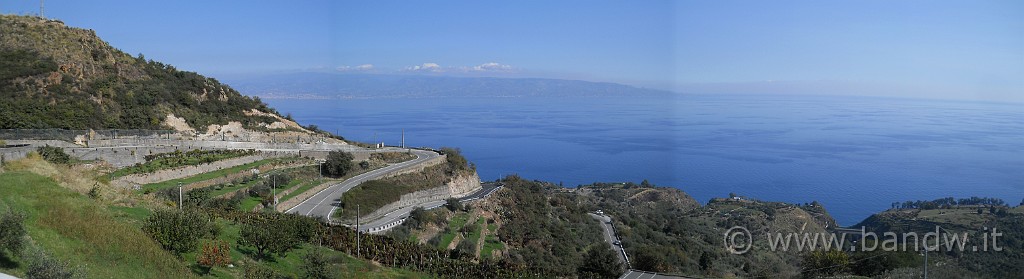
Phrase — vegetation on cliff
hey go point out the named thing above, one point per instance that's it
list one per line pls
(55, 76)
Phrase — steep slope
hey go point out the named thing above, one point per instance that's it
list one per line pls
(55, 76)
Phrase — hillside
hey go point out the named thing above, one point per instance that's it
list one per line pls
(977, 221)
(343, 85)
(55, 76)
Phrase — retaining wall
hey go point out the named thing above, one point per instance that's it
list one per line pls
(460, 186)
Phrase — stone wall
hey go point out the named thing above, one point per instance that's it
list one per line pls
(460, 186)
(182, 172)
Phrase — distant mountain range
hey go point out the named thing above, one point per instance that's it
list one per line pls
(313, 85)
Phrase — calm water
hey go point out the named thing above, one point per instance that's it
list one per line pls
(855, 155)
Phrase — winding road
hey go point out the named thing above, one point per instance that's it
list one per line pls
(324, 202)
(397, 217)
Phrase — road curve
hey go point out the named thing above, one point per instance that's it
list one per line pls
(609, 236)
(397, 216)
(323, 203)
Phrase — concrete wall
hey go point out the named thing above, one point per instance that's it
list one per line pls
(460, 186)
(126, 152)
(182, 172)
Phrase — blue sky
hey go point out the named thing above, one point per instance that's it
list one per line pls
(933, 49)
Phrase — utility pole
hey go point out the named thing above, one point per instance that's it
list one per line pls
(357, 230)
(275, 191)
(403, 138)
(41, 9)
(179, 196)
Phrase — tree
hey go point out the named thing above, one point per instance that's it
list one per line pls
(416, 217)
(12, 232)
(269, 235)
(315, 265)
(825, 263)
(646, 184)
(600, 262)
(338, 163)
(453, 204)
(648, 260)
(705, 262)
(178, 231)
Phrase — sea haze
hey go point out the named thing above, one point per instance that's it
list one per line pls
(855, 155)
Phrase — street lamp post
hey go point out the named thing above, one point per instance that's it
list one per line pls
(179, 196)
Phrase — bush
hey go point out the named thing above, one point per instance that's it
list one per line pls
(255, 271)
(338, 163)
(453, 204)
(12, 232)
(601, 262)
(316, 265)
(44, 266)
(217, 253)
(825, 263)
(54, 155)
(178, 231)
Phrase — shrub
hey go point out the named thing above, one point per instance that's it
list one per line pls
(600, 262)
(825, 263)
(44, 266)
(178, 231)
(338, 163)
(217, 253)
(453, 204)
(54, 155)
(255, 271)
(316, 265)
(12, 232)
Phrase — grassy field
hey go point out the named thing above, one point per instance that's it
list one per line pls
(180, 159)
(106, 241)
(456, 223)
(73, 227)
(206, 176)
(475, 231)
(491, 242)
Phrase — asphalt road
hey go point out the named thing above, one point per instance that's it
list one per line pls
(399, 214)
(323, 203)
(609, 235)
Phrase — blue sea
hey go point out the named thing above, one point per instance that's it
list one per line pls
(855, 155)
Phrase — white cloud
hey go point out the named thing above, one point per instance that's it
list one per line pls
(425, 67)
(492, 67)
(360, 68)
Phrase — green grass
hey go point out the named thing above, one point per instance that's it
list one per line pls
(456, 223)
(206, 176)
(180, 159)
(302, 188)
(491, 244)
(73, 227)
(250, 202)
(474, 234)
